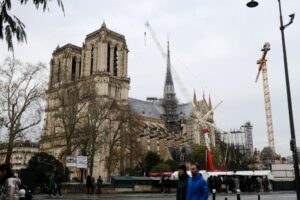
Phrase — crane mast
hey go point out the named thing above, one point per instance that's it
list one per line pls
(263, 69)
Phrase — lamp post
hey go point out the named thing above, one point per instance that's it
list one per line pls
(293, 145)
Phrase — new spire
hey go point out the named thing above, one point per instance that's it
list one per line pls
(169, 79)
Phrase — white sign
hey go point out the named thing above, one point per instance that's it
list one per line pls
(71, 161)
(82, 162)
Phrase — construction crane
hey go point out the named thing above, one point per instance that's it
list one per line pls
(263, 69)
(164, 56)
(201, 119)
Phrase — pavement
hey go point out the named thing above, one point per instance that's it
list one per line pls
(156, 196)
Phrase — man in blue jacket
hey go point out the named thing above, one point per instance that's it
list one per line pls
(197, 187)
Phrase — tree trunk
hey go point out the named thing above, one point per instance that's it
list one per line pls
(108, 169)
(10, 147)
(92, 158)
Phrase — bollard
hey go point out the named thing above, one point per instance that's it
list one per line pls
(258, 196)
(225, 198)
(238, 194)
(214, 194)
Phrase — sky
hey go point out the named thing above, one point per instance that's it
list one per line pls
(214, 48)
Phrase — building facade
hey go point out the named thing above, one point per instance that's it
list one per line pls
(22, 153)
(82, 77)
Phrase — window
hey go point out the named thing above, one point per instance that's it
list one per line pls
(52, 66)
(79, 71)
(116, 61)
(92, 61)
(58, 72)
(108, 58)
(73, 73)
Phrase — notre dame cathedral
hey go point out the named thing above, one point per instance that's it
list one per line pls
(82, 78)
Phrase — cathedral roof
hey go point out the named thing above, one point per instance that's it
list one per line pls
(185, 109)
(156, 110)
(104, 28)
(69, 45)
(146, 108)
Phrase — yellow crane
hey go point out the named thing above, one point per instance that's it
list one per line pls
(263, 69)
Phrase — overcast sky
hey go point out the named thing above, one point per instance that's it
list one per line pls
(214, 48)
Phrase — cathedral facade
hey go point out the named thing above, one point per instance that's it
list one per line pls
(91, 81)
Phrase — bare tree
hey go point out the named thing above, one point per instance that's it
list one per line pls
(121, 141)
(95, 126)
(21, 93)
(112, 138)
(69, 116)
(131, 148)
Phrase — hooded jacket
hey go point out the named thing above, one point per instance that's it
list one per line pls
(197, 188)
(10, 189)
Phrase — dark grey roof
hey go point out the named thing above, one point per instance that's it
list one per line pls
(146, 108)
(155, 110)
(185, 109)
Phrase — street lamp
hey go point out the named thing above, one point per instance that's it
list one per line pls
(293, 145)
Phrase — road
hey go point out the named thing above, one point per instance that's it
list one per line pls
(156, 196)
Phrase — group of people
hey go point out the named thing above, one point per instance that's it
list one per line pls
(165, 184)
(53, 184)
(191, 188)
(242, 183)
(11, 187)
(90, 181)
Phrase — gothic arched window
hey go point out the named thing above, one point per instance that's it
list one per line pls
(79, 69)
(108, 58)
(92, 61)
(73, 72)
(116, 62)
(58, 72)
(52, 68)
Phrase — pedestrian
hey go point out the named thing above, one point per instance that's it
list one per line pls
(162, 183)
(10, 184)
(168, 184)
(89, 184)
(197, 188)
(266, 184)
(93, 183)
(58, 181)
(236, 183)
(182, 183)
(99, 185)
(51, 185)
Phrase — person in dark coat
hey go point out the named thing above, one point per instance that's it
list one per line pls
(89, 184)
(182, 183)
(58, 181)
(99, 185)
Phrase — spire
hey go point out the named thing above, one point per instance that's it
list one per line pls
(209, 103)
(203, 95)
(169, 80)
(195, 98)
(103, 26)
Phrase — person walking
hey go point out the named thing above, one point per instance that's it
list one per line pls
(89, 184)
(197, 188)
(58, 181)
(99, 185)
(162, 183)
(51, 185)
(182, 183)
(236, 183)
(9, 183)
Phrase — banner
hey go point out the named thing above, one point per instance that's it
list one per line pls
(82, 162)
(71, 161)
